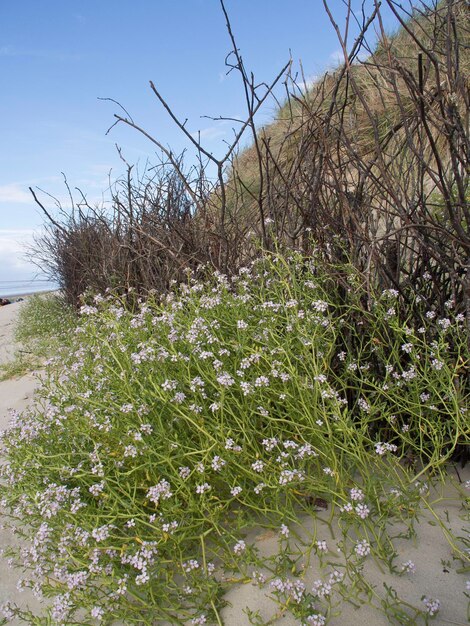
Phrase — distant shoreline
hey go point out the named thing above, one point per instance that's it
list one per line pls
(14, 296)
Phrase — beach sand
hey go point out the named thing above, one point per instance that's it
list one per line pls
(436, 574)
(15, 395)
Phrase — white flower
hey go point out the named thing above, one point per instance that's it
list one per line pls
(285, 530)
(200, 489)
(225, 380)
(239, 547)
(262, 381)
(217, 463)
(189, 566)
(235, 491)
(382, 448)
(96, 489)
(357, 494)
(169, 385)
(432, 605)
(97, 613)
(362, 548)
(322, 546)
(161, 490)
(321, 589)
(288, 476)
(362, 511)
(269, 444)
(184, 472)
(408, 566)
(316, 620)
(258, 578)
(363, 405)
(258, 466)
(230, 445)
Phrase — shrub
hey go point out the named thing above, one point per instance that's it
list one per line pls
(170, 431)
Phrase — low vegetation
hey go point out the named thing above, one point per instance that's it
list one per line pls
(41, 328)
(173, 429)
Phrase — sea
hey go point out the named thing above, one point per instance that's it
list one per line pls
(17, 288)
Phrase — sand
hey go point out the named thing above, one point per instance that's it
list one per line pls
(437, 573)
(15, 394)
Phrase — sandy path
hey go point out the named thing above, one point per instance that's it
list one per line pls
(15, 394)
(8, 315)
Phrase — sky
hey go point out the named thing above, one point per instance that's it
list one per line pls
(57, 59)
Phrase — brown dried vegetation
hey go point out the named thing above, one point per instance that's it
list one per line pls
(370, 165)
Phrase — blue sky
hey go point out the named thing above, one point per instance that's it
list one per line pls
(57, 58)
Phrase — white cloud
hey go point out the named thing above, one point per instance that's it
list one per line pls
(13, 248)
(337, 57)
(209, 134)
(15, 194)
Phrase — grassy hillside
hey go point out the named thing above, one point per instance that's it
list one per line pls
(374, 155)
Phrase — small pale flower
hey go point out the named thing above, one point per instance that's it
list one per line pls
(321, 546)
(217, 463)
(184, 472)
(258, 578)
(258, 466)
(315, 619)
(362, 548)
(408, 567)
(357, 494)
(362, 511)
(285, 532)
(432, 605)
(239, 547)
(97, 613)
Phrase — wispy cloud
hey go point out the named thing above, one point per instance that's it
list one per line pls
(337, 57)
(210, 133)
(49, 55)
(13, 247)
(15, 194)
